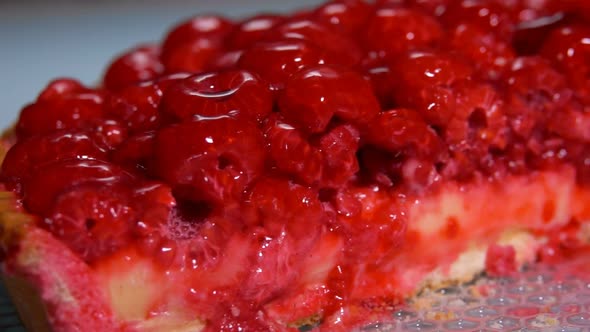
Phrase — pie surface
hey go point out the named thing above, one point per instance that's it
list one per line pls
(310, 170)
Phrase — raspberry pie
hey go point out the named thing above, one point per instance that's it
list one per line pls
(295, 171)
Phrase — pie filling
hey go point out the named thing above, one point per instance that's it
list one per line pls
(302, 171)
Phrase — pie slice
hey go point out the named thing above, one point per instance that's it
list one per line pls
(304, 171)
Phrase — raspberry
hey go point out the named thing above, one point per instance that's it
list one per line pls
(530, 75)
(534, 91)
(432, 7)
(70, 111)
(488, 15)
(290, 152)
(346, 16)
(36, 151)
(205, 26)
(424, 83)
(221, 157)
(60, 87)
(193, 56)
(313, 96)
(191, 45)
(339, 147)
(569, 49)
(135, 153)
(279, 205)
(430, 68)
(235, 93)
(287, 219)
(94, 220)
(110, 133)
(137, 106)
(226, 60)
(346, 204)
(490, 54)
(399, 129)
(406, 30)
(252, 30)
(338, 47)
(479, 115)
(276, 61)
(139, 64)
(46, 183)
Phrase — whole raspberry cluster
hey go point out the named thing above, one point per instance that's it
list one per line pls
(390, 94)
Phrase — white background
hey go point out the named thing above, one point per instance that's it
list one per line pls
(41, 40)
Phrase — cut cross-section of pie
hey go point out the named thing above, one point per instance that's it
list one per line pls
(312, 170)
